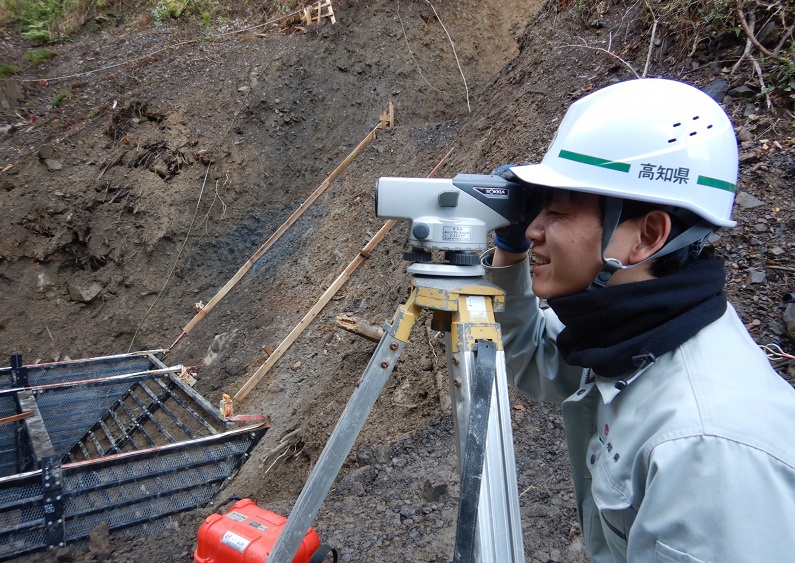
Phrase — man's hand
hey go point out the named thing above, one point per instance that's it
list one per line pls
(504, 171)
(511, 238)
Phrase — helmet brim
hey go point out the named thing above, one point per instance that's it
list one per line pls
(543, 175)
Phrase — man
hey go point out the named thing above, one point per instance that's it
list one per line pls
(681, 436)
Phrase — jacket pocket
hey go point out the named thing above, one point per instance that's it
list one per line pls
(618, 522)
(610, 492)
(594, 534)
(614, 509)
(665, 554)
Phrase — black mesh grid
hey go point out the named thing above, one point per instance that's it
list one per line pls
(134, 452)
(145, 489)
(8, 438)
(78, 370)
(126, 491)
(68, 412)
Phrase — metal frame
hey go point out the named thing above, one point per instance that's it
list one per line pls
(107, 441)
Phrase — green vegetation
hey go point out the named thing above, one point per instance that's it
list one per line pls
(38, 56)
(752, 38)
(47, 21)
(37, 19)
(61, 98)
(784, 75)
(8, 70)
(288, 6)
(169, 9)
(174, 9)
(44, 22)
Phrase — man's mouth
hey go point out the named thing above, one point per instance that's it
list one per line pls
(540, 260)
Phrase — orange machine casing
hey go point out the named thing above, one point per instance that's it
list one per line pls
(246, 534)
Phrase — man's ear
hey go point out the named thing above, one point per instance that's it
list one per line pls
(653, 231)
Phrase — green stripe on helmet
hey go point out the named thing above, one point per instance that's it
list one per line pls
(715, 183)
(594, 161)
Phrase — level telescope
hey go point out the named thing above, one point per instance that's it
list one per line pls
(452, 215)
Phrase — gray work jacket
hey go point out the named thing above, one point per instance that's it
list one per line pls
(693, 460)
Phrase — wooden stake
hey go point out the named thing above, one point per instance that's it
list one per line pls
(388, 117)
(361, 328)
(307, 15)
(280, 231)
(324, 299)
(330, 13)
(313, 312)
(15, 417)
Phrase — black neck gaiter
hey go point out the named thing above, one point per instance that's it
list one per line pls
(611, 329)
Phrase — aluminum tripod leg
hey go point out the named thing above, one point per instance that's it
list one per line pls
(465, 307)
(499, 529)
(342, 438)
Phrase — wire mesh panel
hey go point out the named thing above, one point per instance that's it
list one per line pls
(151, 484)
(68, 412)
(21, 514)
(117, 439)
(128, 491)
(70, 396)
(153, 412)
(77, 370)
(8, 438)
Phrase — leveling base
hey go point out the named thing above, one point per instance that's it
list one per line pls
(444, 270)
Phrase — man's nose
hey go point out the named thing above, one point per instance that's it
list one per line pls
(535, 230)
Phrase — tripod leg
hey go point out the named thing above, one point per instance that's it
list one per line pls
(475, 452)
(342, 438)
(498, 526)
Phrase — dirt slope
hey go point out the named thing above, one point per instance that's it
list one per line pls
(161, 174)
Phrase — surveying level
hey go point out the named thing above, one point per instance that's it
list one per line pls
(454, 216)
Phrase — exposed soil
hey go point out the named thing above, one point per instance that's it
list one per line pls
(180, 149)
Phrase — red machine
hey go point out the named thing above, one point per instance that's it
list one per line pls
(247, 534)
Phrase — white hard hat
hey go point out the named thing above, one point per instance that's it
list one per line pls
(652, 140)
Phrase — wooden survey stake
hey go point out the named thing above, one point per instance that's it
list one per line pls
(315, 12)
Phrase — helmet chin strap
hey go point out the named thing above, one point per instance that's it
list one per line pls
(695, 234)
(610, 266)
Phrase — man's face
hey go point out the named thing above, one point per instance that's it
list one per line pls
(567, 242)
(567, 238)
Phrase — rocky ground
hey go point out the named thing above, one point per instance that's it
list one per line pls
(178, 149)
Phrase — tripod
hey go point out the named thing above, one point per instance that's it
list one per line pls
(489, 524)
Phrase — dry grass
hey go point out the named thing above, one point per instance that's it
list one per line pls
(751, 39)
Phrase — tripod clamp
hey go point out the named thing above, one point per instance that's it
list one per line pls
(489, 523)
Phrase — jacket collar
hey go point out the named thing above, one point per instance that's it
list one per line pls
(618, 330)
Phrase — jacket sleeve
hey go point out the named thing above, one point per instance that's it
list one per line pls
(529, 335)
(710, 498)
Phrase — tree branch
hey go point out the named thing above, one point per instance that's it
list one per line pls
(749, 32)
